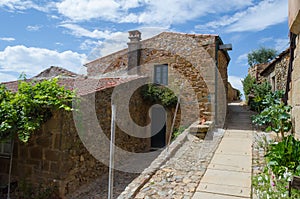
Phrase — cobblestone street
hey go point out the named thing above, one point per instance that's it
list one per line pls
(180, 176)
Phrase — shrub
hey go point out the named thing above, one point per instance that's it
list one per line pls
(159, 94)
(23, 112)
(248, 84)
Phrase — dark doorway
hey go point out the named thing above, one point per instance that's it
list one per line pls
(158, 127)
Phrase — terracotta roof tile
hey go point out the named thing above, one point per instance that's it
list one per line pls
(83, 86)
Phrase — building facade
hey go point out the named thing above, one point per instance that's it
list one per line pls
(293, 83)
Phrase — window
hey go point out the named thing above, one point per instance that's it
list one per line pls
(273, 83)
(5, 148)
(161, 74)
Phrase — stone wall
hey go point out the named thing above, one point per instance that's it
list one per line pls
(276, 72)
(189, 57)
(56, 156)
(255, 71)
(295, 89)
(233, 94)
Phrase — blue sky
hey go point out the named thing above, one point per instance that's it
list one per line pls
(36, 34)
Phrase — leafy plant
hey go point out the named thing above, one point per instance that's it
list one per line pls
(178, 131)
(266, 185)
(259, 91)
(23, 112)
(276, 118)
(159, 94)
(284, 156)
(261, 55)
(248, 84)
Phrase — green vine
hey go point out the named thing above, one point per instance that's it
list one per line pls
(23, 112)
(159, 94)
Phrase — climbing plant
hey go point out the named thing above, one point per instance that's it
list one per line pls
(159, 94)
(23, 112)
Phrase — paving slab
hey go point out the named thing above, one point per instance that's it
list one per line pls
(235, 146)
(228, 162)
(238, 191)
(229, 173)
(233, 178)
(203, 195)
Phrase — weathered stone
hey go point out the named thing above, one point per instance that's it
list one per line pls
(36, 152)
(52, 155)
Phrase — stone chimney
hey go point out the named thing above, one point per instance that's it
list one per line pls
(134, 52)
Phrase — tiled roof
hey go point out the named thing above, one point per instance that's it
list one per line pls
(83, 86)
(55, 71)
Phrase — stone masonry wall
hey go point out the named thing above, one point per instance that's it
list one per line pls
(232, 93)
(56, 156)
(278, 69)
(193, 58)
(295, 90)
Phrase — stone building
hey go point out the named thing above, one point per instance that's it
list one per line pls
(293, 84)
(173, 59)
(233, 94)
(68, 151)
(276, 71)
(60, 153)
(255, 71)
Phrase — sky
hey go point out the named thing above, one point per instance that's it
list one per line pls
(37, 34)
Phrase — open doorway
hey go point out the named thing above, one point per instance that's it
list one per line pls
(158, 127)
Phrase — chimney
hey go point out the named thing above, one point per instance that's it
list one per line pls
(134, 52)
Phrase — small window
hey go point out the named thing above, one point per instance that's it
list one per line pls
(161, 74)
(5, 148)
(273, 83)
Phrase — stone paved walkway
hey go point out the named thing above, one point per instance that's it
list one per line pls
(214, 168)
(180, 176)
(230, 170)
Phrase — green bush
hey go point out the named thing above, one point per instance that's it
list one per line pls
(275, 115)
(248, 84)
(259, 91)
(159, 94)
(23, 112)
(282, 160)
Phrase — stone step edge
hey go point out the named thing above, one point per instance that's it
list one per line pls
(137, 184)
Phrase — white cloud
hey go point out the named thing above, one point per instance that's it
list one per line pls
(236, 82)
(281, 44)
(255, 18)
(79, 31)
(34, 28)
(32, 60)
(265, 40)
(242, 59)
(7, 39)
(119, 41)
(4, 77)
(89, 44)
(88, 9)
(25, 4)
(155, 12)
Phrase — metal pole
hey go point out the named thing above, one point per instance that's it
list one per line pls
(10, 167)
(216, 82)
(174, 118)
(112, 152)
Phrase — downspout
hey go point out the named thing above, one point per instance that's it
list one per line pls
(290, 69)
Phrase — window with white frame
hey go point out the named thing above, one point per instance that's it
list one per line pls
(161, 74)
(5, 148)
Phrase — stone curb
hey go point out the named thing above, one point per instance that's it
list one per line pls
(135, 186)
